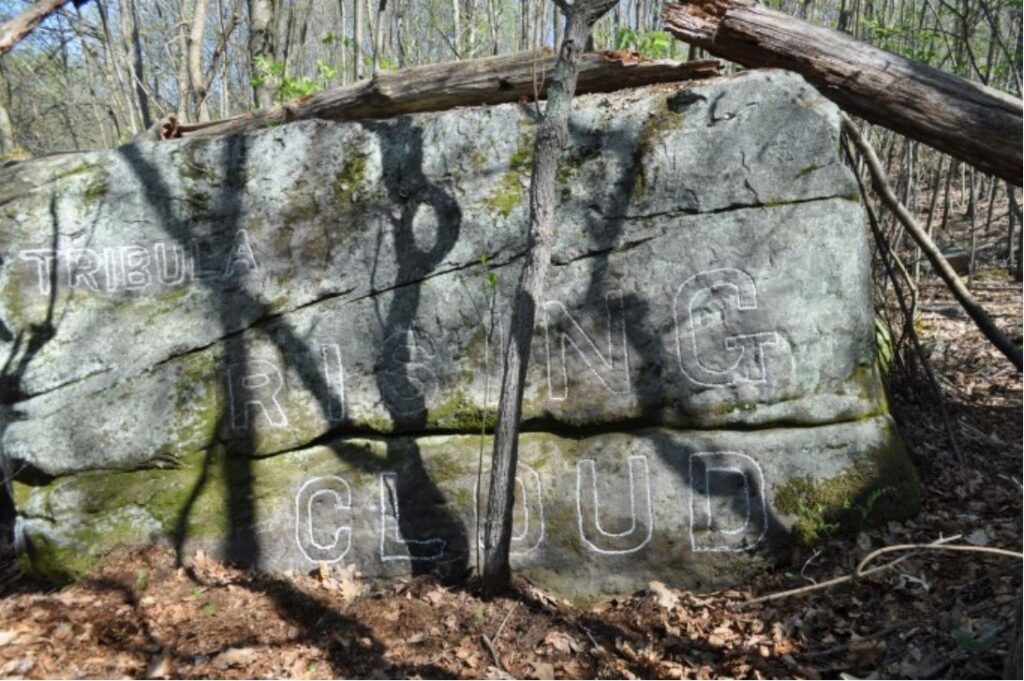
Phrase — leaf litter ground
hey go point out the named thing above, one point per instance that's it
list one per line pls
(140, 615)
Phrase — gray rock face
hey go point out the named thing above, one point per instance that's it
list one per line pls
(282, 346)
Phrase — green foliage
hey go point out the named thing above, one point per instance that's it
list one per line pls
(651, 44)
(815, 518)
(141, 579)
(490, 278)
(867, 508)
(284, 87)
(972, 642)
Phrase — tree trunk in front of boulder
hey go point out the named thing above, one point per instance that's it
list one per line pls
(552, 135)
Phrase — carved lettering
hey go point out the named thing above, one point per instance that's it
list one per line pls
(255, 386)
(393, 546)
(728, 511)
(323, 502)
(562, 331)
(594, 535)
(700, 304)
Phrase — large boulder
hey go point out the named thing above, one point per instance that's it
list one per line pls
(284, 346)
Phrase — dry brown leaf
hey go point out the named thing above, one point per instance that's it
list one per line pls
(666, 598)
(235, 657)
(159, 668)
(542, 670)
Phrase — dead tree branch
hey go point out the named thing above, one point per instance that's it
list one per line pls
(974, 123)
(939, 263)
(15, 30)
(494, 80)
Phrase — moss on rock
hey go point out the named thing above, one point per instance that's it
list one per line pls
(511, 186)
(349, 181)
(882, 486)
(459, 413)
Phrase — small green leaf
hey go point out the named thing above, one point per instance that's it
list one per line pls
(969, 641)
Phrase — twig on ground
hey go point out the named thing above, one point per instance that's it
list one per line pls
(493, 652)
(501, 626)
(863, 571)
(843, 579)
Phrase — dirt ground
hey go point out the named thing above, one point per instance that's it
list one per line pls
(935, 615)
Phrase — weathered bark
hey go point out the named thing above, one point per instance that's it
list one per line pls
(552, 134)
(7, 143)
(6, 131)
(133, 47)
(197, 82)
(931, 251)
(974, 123)
(261, 43)
(13, 31)
(357, 40)
(378, 30)
(436, 87)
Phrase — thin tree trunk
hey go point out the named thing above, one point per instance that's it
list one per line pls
(377, 30)
(470, 22)
(931, 216)
(947, 199)
(1015, 214)
(457, 28)
(133, 46)
(261, 45)
(492, 22)
(357, 40)
(113, 63)
(6, 131)
(106, 136)
(552, 134)
(219, 57)
(974, 233)
(195, 60)
(399, 10)
(342, 61)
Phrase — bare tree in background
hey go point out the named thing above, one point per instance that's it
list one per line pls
(261, 43)
(552, 135)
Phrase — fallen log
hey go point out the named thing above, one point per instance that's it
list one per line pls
(494, 80)
(974, 123)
